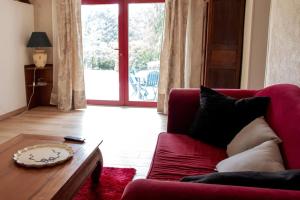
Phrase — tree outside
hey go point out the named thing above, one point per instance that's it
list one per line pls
(100, 35)
(146, 23)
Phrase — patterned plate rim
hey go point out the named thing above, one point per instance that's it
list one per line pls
(58, 145)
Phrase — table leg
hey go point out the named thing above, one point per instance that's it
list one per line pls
(98, 169)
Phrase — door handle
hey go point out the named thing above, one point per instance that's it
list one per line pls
(117, 49)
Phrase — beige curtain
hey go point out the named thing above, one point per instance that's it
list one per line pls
(68, 90)
(182, 56)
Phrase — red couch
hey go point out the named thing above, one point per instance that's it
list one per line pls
(177, 155)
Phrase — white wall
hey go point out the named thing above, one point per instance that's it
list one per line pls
(255, 43)
(283, 62)
(17, 23)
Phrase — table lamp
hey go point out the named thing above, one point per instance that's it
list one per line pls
(39, 40)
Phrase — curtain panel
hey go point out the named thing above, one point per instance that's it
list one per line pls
(68, 89)
(182, 56)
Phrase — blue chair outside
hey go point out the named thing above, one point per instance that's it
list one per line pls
(152, 79)
(152, 82)
(138, 89)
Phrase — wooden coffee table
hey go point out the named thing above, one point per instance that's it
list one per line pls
(58, 182)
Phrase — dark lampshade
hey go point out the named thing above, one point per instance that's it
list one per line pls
(39, 39)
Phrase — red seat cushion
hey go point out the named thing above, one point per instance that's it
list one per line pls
(179, 155)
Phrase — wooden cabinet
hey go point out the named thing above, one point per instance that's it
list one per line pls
(38, 92)
(225, 30)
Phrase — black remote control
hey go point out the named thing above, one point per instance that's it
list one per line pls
(75, 139)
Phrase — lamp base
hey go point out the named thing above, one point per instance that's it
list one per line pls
(40, 58)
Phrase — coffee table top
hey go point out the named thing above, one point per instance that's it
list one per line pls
(18, 182)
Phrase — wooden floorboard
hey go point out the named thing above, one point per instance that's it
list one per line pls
(129, 134)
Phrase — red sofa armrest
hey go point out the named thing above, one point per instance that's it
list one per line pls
(146, 189)
(184, 103)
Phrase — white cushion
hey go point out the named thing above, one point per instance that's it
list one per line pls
(255, 133)
(264, 157)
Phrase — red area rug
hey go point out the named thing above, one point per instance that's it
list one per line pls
(111, 186)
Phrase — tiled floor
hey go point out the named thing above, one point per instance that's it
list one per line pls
(129, 134)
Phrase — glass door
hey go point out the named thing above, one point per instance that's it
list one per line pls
(100, 30)
(145, 31)
(121, 48)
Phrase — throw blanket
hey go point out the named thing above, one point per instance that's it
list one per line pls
(289, 179)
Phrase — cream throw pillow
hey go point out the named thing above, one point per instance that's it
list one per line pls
(255, 133)
(264, 157)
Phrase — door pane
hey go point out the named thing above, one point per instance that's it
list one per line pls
(100, 51)
(145, 37)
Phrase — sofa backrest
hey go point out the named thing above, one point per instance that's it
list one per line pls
(284, 117)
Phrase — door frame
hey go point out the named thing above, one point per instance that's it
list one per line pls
(123, 53)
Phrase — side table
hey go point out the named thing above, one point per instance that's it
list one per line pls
(38, 92)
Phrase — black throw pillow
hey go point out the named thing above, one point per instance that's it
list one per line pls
(219, 117)
(288, 179)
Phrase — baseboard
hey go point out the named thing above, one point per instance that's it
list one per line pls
(13, 113)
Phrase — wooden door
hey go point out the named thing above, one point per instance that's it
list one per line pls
(224, 45)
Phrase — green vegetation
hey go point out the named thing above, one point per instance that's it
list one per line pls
(100, 35)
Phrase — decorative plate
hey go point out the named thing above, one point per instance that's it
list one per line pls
(43, 155)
